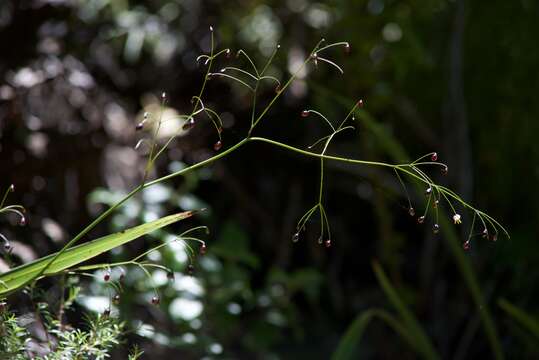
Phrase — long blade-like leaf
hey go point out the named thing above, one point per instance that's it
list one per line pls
(521, 317)
(421, 339)
(15, 278)
(346, 350)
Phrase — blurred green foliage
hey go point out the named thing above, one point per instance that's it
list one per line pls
(76, 75)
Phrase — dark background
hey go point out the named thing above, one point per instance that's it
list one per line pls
(457, 77)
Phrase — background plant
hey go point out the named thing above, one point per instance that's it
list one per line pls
(389, 69)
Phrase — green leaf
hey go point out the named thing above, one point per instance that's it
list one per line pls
(421, 340)
(350, 340)
(521, 317)
(15, 278)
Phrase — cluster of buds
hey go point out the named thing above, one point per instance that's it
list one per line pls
(18, 210)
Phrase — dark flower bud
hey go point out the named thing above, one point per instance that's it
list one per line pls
(411, 211)
(347, 48)
(22, 221)
(12, 188)
(155, 300)
(444, 170)
(434, 157)
(189, 124)
(328, 243)
(295, 237)
(466, 246)
(203, 249)
(421, 219)
(228, 53)
(436, 228)
(106, 277)
(305, 113)
(218, 145)
(360, 103)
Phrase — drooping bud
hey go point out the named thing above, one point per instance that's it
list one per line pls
(106, 277)
(189, 124)
(434, 157)
(320, 240)
(305, 113)
(278, 89)
(360, 103)
(228, 53)
(328, 243)
(347, 48)
(466, 246)
(435, 203)
(211, 28)
(428, 191)
(139, 126)
(155, 300)
(163, 96)
(411, 211)
(203, 249)
(295, 237)
(444, 170)
(421, 219)
(7, 246)
(485, 233)
(435, 228)
(22, 221)
(12, 188)
(218, 145)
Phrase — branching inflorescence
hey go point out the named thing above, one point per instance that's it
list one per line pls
(253, 78)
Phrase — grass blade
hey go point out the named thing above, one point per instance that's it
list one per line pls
(421, 340)
(521, 317)
(15, 278)
(350, 340)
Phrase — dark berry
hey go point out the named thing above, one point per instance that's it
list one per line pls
(434, 157)
(218, 145)
(22, 221)
(106, 277)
